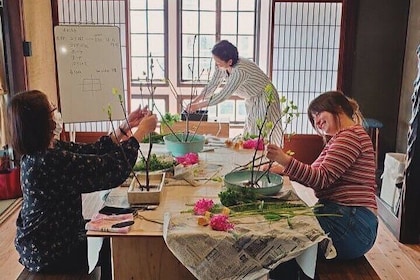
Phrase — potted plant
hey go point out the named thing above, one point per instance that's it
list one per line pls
(264, 183)
(185, 142)
(145, 188)
(137, 194)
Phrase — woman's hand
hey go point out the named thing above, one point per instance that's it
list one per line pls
(135, 117)
(274, 168)
(147, 125)
(198, 98)
(191, 108)
(275, 153)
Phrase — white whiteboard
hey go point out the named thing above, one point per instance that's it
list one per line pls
(89, 67)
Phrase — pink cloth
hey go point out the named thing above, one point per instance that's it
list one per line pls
(101, 222)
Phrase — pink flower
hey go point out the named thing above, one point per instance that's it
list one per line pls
(253, 144)
(187, 159)
(203, 205)
(220, 222)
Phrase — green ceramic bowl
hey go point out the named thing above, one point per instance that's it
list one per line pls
(270, 183)
(192, 144)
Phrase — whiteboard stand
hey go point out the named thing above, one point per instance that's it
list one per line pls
(89, 67)
(72, 133)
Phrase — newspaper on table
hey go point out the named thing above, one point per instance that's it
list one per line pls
(251, 250)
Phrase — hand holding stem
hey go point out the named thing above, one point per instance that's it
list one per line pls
(135, 117)
(273, 167)
(275, 153)
(146, 125)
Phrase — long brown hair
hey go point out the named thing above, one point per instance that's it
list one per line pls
(334, 102)
(31, 123)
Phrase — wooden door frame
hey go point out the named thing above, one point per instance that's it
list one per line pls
(13, 38)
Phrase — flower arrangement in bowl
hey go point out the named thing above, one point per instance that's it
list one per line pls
(180, 144)
(267, 183)
(186, 142)
(145, 188)
(249, 175)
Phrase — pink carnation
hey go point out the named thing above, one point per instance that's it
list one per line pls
(254, 144)
(203, 205)
(220, 222)
(187, 159)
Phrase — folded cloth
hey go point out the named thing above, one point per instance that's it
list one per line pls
(101, 222)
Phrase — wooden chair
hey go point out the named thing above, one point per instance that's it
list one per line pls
(84, 137)
(355, 269)
(306, 147)
(373, 126)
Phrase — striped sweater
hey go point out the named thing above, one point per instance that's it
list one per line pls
(248, 81)
(344, 172)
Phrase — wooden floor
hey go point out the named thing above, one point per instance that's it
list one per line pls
(390, 259)
(393, 260)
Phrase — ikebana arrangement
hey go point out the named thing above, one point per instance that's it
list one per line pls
(248, 181)
(145, 188)
(185, 142)
(179, 144)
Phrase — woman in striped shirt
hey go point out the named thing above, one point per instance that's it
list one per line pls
(343, 176)
(248, 81)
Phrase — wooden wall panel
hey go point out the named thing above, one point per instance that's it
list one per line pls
(38, 29)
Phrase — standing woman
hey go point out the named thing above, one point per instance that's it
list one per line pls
(248, 81)
(343, 176)
(51, 234)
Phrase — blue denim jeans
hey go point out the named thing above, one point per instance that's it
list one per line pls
(354, 233)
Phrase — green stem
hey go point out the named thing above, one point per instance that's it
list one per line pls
(125, 157)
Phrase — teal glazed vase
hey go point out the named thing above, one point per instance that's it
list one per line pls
(269, 184)
(180, 144)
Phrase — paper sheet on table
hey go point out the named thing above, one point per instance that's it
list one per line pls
(94, 245)
(306, 194)
(306, 260)
(255, 246)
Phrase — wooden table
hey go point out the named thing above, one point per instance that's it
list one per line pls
(142, 253)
